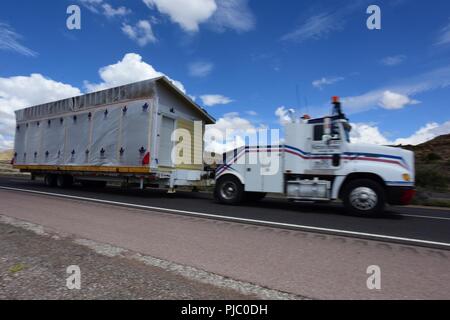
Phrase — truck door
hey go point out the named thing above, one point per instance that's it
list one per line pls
(326, 150)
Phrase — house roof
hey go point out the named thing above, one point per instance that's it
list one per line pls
(209, 119)
(124, 93)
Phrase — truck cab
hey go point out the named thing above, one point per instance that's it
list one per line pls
(318, 162)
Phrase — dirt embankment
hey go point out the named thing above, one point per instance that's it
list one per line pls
(35, 266)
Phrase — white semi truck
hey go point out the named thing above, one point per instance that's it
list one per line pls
(318, 162)
(126, 134)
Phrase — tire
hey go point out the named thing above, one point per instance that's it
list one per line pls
(255, 196)
(50, 180)
(229, 190)
(364, 197)
(64, 181)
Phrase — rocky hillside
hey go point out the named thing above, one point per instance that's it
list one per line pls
(432, 166)
(437, 149)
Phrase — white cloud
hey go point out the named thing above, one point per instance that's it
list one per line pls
(319, 25)
(130, 69)
(393, 101)
(9, 40)
(385, 99)
(200, 69)
(188, 14)
(325, 81)
(233, 129)
(214, 99)
(393, 60)
(233, 14)
(92, 5)
(369, 133)
(251, 113)
(219, 14)
(408, 88)
(103, 7)
(444, 36)
(6, 143)
(142, 32)
(316, 27)
(24, 91)
(232, 121)
(111, 12)
(426, 133)
(284, 115)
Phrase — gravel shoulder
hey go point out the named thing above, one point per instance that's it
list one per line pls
(33, 266)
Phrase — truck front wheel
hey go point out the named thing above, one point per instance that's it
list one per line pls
(229, 190)
(364, 197)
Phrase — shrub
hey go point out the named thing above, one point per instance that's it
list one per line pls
(431, 178)
(433, 157)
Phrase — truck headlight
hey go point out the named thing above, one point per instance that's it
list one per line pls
(406, 177)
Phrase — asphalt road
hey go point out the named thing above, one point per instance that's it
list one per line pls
(417, 226)
(289, 262)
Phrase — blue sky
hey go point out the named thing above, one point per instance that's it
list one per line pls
(247, 62)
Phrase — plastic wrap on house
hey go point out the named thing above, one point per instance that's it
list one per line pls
(135, 91)
(53, 141)
(135, 130)
(33, 143)
(77, 139)
(21, 131)
(105, 136)
(115, 135)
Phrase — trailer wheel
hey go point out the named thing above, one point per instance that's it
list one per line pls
(64, 181)
(229, 190)
(50, 180)
(364, 197)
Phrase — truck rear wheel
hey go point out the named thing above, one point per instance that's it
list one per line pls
(364, 197)
(229, 190)
(64, 181)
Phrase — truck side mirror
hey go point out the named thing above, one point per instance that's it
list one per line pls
(326, 138)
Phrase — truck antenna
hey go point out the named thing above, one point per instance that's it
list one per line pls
(306, 105)
(297, 93)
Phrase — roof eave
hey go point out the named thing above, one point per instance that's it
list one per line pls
(207, 116)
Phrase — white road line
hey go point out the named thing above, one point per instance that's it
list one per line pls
(422, 217)
(242, 220)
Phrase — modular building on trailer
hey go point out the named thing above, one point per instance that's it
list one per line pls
(123, 132)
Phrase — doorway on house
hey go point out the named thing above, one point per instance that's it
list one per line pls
(166, 144)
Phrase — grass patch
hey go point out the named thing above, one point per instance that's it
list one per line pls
(17, 268)
(433, 203)
(432, 178)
